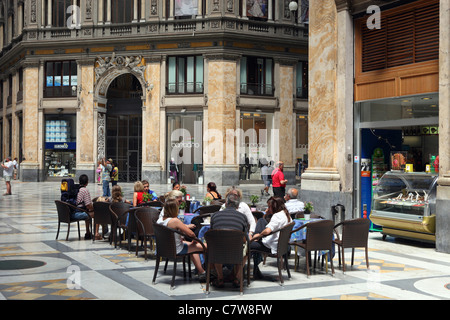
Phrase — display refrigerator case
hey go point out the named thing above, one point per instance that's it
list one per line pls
(404, 205)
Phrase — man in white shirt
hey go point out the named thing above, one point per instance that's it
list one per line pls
(292, 203)
(8, 170)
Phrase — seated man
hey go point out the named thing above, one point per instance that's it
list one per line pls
(152, 193)
(292, 203)
(229, 218)
(84, 201)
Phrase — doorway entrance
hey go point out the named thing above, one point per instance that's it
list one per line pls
(124, 127)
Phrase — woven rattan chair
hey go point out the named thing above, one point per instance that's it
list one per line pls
(155, 203)
(226, 247)
(145, 217)
(282, 249)
(319, 236)
(208, 209)
(355, 234)
(166, 248)
(64, 210)
(119, 211)
(102, 215)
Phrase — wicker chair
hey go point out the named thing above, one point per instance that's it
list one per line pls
(155, 203)
(355, 234)
(319, 236)
(226, 247)
(119, 211)
(145, 217)
(102, 215)
(208, 209)
(166, 248)
(64, 210)
(282, 249)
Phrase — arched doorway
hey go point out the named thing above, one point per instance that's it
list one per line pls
(124, 126)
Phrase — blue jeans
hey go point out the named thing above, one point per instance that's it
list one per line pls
(106, 191)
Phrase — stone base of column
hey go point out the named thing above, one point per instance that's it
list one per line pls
(30, 172)
(154, 174)
(322, 189)
(87, 169)
(221, 175)
(443, 216)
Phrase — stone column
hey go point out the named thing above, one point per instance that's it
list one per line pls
(286, 119)
(31, 125)
(220, 121)
(152, 167)
(86, 121)
(443, 189)
(322, 181)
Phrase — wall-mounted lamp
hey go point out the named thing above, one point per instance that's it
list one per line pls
(74, 88)
(149, 87)
(293, 6)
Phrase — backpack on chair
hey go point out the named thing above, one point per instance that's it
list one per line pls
(69, 191)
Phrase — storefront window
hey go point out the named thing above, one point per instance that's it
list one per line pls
(60, 145)
(410, 107)
(255, 147)
(185, 148)
(61, 79)
(301, 143)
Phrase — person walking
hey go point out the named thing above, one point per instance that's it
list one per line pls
(8, 171)
(278, 180)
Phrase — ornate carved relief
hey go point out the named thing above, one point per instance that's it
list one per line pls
(89, 9)
(101, 136)
(110, 67)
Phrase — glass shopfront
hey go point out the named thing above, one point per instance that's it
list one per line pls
(60, 146)
(394, 134)
(255, 147)
(185, 148)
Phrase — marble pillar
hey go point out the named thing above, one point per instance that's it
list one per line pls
(86, 122)
(220, 122)
(443, 189)
(285, 120)
(30, 167)
(330, 130)
(152, 162)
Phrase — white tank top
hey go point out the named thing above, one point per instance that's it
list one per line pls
(178, 238)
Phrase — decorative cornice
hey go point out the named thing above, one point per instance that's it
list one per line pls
(344, 5)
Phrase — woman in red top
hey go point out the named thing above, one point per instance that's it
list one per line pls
(278, 180)
(138, 193)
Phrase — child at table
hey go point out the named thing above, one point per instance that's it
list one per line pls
(170, 220)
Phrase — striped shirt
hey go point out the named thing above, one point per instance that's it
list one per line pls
(83, 198)
(229, 218)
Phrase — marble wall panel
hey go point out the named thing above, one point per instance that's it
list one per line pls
(286, 115)
(322, 85)
(86, 128)
(221, 110)
(151, 117)
(31, 114)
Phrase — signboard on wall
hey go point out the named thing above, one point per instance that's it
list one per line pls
(61, 146)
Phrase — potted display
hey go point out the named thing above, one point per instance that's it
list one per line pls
(207, 201)
(253, 199)
(308, 209)
(182, 207)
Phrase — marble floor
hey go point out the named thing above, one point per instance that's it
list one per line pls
(35, 266)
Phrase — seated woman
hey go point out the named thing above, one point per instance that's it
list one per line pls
(170, 220)
(117, 195)
(276, 217)
(212, 192)
(138, 196)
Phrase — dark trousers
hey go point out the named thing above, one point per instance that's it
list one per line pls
(279, 191)
(258, 245)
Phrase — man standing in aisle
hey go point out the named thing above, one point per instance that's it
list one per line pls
(278, 180)
(8, 170)
(106, 177)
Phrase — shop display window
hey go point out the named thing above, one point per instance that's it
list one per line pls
(60, 145)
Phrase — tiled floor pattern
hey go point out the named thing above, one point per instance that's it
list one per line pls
(399, 269)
